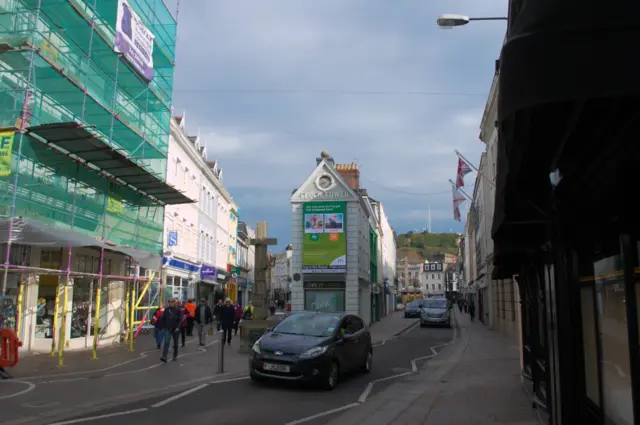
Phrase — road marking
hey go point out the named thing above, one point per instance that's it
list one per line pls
(414, 366)
(365, 394)
(30, 387)
(41, 404)
(319, 415)
(179, 396)
(222, 381)
(95, 418)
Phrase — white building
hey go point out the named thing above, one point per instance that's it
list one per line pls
(195, 264)
(334, 235)
(181, 222)
(387, 241)
(282, 275)
(432, 279)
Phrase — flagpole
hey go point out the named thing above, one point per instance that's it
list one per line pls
(462, 191)
(474, 167)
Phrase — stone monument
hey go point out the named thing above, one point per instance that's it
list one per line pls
(251, 330)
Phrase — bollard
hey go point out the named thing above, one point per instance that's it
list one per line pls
(221, 356)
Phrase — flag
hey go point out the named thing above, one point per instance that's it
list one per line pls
(458, 199)
(463, 170)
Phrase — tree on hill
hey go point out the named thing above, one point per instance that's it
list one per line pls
(428, 244)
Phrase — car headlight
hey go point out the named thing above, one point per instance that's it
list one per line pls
(256, 346)
(314, 352)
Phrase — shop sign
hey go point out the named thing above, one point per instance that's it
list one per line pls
(208, 272)
(310, 196)
(324, 285)
(6, 144)
(182, 265)
(172, 239)
(241, 282)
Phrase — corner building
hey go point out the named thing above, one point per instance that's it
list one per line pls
(333, 224)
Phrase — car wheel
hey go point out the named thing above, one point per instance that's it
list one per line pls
(333, 377)
(256, 378)
(368, 362)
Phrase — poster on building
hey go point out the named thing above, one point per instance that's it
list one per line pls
(6, 145)
(134, 40)
(324, 245)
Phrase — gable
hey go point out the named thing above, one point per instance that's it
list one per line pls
(314, 188)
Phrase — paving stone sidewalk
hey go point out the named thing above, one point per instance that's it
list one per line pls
(474, 381)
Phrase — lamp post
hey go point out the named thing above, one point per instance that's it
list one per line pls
(449, 20)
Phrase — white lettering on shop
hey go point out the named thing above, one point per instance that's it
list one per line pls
(325, 195)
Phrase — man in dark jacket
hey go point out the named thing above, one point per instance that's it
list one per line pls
(216, 312)
(203, 318)
(227, 317)
(170, 323)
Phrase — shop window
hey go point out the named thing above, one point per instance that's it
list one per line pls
(324, 300)
(589, 344)
(604, 274)
(80, 307)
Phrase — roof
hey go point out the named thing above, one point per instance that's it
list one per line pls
(179, 119)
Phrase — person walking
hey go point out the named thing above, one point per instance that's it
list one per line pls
(191, 308)
(216, 313)
(237, 318)
(184, 323)
(170, 323)
(203, 318)
(472, 311)
(227, 317)
(157, 330)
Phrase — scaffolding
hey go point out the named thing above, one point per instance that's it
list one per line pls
(87, 136)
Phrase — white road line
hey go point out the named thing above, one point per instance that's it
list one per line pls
(414, 366)
(95, 418)
(319, 415)
(365, 394)
(30, 387)
(179, 396)
(222, 381)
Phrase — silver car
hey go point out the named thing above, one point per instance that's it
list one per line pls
(435, 311)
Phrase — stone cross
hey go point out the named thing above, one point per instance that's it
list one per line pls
(261, 242)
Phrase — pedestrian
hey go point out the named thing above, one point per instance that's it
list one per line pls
(237, 318)
(227, 317)
(157, 330)
(183, 324)
(472, 311)
(216, 312)
(203, 318)
(170, 323)
(247, 314)
(191, 308)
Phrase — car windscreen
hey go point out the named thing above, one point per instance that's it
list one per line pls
(415, 304)
(438, 303)
(318, 325)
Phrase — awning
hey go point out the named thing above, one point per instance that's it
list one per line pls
(31, 232)
(558, 54)
(79, 142)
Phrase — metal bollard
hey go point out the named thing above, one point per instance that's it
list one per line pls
(221, 355)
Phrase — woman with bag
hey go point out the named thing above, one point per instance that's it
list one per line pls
(157, 331)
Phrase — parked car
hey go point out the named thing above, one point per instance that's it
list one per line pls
(435, 311)
(399, 307)
(413, 309)
(314, 347)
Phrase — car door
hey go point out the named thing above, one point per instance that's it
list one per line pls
(343, 347)
(355, 342)
(363, 339)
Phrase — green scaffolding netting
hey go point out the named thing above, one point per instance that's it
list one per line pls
(57, 64)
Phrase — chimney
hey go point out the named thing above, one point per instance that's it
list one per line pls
(351, 174)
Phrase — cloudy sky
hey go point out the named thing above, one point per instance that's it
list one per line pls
(271, 83)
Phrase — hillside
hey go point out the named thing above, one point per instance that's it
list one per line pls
(421, 246)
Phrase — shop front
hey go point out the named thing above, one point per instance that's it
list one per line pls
(208, 284)
(376, 303)
(324, 296)
(241, 288)
(181, 278)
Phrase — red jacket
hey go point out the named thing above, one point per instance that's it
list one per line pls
(238, 312)
(185, 314)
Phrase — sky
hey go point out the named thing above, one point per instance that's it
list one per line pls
(269, 84)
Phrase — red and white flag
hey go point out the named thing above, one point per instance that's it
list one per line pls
(458, 199)
(463, 170)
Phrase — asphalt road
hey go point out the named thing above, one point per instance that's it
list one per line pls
(241, 401)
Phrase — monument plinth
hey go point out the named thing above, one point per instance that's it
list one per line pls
(252, 330)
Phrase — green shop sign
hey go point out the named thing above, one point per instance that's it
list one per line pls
(324, 244)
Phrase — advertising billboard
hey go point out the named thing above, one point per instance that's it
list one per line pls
(134, 40)
(324, 244)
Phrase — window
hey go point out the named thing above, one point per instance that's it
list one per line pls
(589, 344)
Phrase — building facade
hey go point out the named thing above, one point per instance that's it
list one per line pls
(82, 167)
(333, 236)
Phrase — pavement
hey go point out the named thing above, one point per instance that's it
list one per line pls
(43, 393)
(475, 380)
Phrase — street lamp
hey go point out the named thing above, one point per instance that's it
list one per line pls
(450, 20)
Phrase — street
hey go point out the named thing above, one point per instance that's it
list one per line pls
(239, 401)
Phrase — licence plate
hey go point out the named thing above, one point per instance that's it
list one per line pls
(276, 367)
